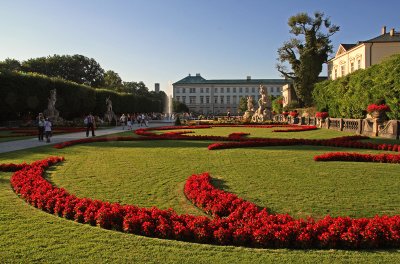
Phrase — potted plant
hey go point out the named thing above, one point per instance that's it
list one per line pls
(377, 110)
(321, 115)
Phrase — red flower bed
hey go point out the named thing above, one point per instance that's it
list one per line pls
(293, 114)
(344, 156)
(380, 108)
(235, 222)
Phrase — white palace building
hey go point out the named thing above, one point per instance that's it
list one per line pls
(220, 96)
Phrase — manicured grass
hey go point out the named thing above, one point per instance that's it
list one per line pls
(152, 173)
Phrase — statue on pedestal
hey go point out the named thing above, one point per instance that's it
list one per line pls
(51, 112)
(263, 112)
(250, 110)
(109, 115)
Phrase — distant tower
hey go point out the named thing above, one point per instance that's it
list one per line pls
(157, 87)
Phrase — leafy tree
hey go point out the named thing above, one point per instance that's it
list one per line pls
(179, 107)
(10, 65)
(76, 68)
(112, 81)
(277, 104)
(307, 54)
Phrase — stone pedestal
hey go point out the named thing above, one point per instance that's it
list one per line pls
(248, 115)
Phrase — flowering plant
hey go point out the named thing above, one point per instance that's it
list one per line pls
(322, 115)
(285, 113)
(293, 114)
(380, 108)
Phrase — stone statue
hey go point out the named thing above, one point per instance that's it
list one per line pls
(109, 115)
(109, 104)
(263, 112)
(250, 106)
(51, 112)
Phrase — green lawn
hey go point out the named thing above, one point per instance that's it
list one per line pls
(152, 173)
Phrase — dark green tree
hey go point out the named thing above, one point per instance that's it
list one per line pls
(306, 53)
(179, 107)
(10, 65)
(76, 68)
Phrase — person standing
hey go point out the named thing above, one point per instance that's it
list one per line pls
(47, 129)
(90, 123)
(40, 122)
(123, 121)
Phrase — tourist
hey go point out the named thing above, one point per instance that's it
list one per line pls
(129, 118)
(47, 129)
(90, 124)
(228, 115)
(40, 123)
(122, 120)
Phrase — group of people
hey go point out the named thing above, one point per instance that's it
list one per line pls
(44, 128)
(129, 120)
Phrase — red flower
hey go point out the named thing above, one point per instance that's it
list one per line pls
(380, 108)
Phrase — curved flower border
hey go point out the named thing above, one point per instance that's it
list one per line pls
(235, 221)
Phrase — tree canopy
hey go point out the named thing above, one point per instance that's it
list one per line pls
(306, 52)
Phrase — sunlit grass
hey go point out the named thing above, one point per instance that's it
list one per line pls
(152, 173)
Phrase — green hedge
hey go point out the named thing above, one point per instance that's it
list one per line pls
(24, 94)
(349, 96)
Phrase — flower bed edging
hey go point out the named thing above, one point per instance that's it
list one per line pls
(235, 222)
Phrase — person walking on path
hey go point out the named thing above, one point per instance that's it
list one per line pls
(47, 129)
(40, 123)
(90, 124)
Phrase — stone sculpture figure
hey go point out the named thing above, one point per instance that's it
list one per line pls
(250, 106)
(51, 112)
(263, 112)
(109, 115)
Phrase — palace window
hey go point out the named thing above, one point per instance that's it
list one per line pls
(178, 98)
(222, 89)
(215, 90)
(253, 90)
(177, 90)
(207, 90)
(228, 99)
(216, 99)
(201, 99)
(240, 90)
(234, 99)
(335, 73)
(207, 99)
(247, 90)
(183, 90)
(192, 99)
(359, 64)
(221, 98)
(183, 99)
(228, 90)
(352, 66)
(342, 70)
(192, 90)
(201, 90)
(234, 89)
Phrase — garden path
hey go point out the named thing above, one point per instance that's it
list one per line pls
(10, 146)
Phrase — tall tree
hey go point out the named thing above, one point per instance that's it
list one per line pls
(10, 65)
(306, 53)
(112, 81)
(76, 68)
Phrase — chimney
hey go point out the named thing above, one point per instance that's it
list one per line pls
(392, 32)
(383, 30)
(248, 78)
(197, 74)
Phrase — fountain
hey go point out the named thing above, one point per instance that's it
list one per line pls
(168, 104)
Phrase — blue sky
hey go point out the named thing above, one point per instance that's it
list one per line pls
(165, 40)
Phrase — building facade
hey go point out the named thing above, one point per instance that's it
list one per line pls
(220, 96)
(351, 57)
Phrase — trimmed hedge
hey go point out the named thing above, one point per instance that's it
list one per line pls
(349, 96)
(25, 94)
